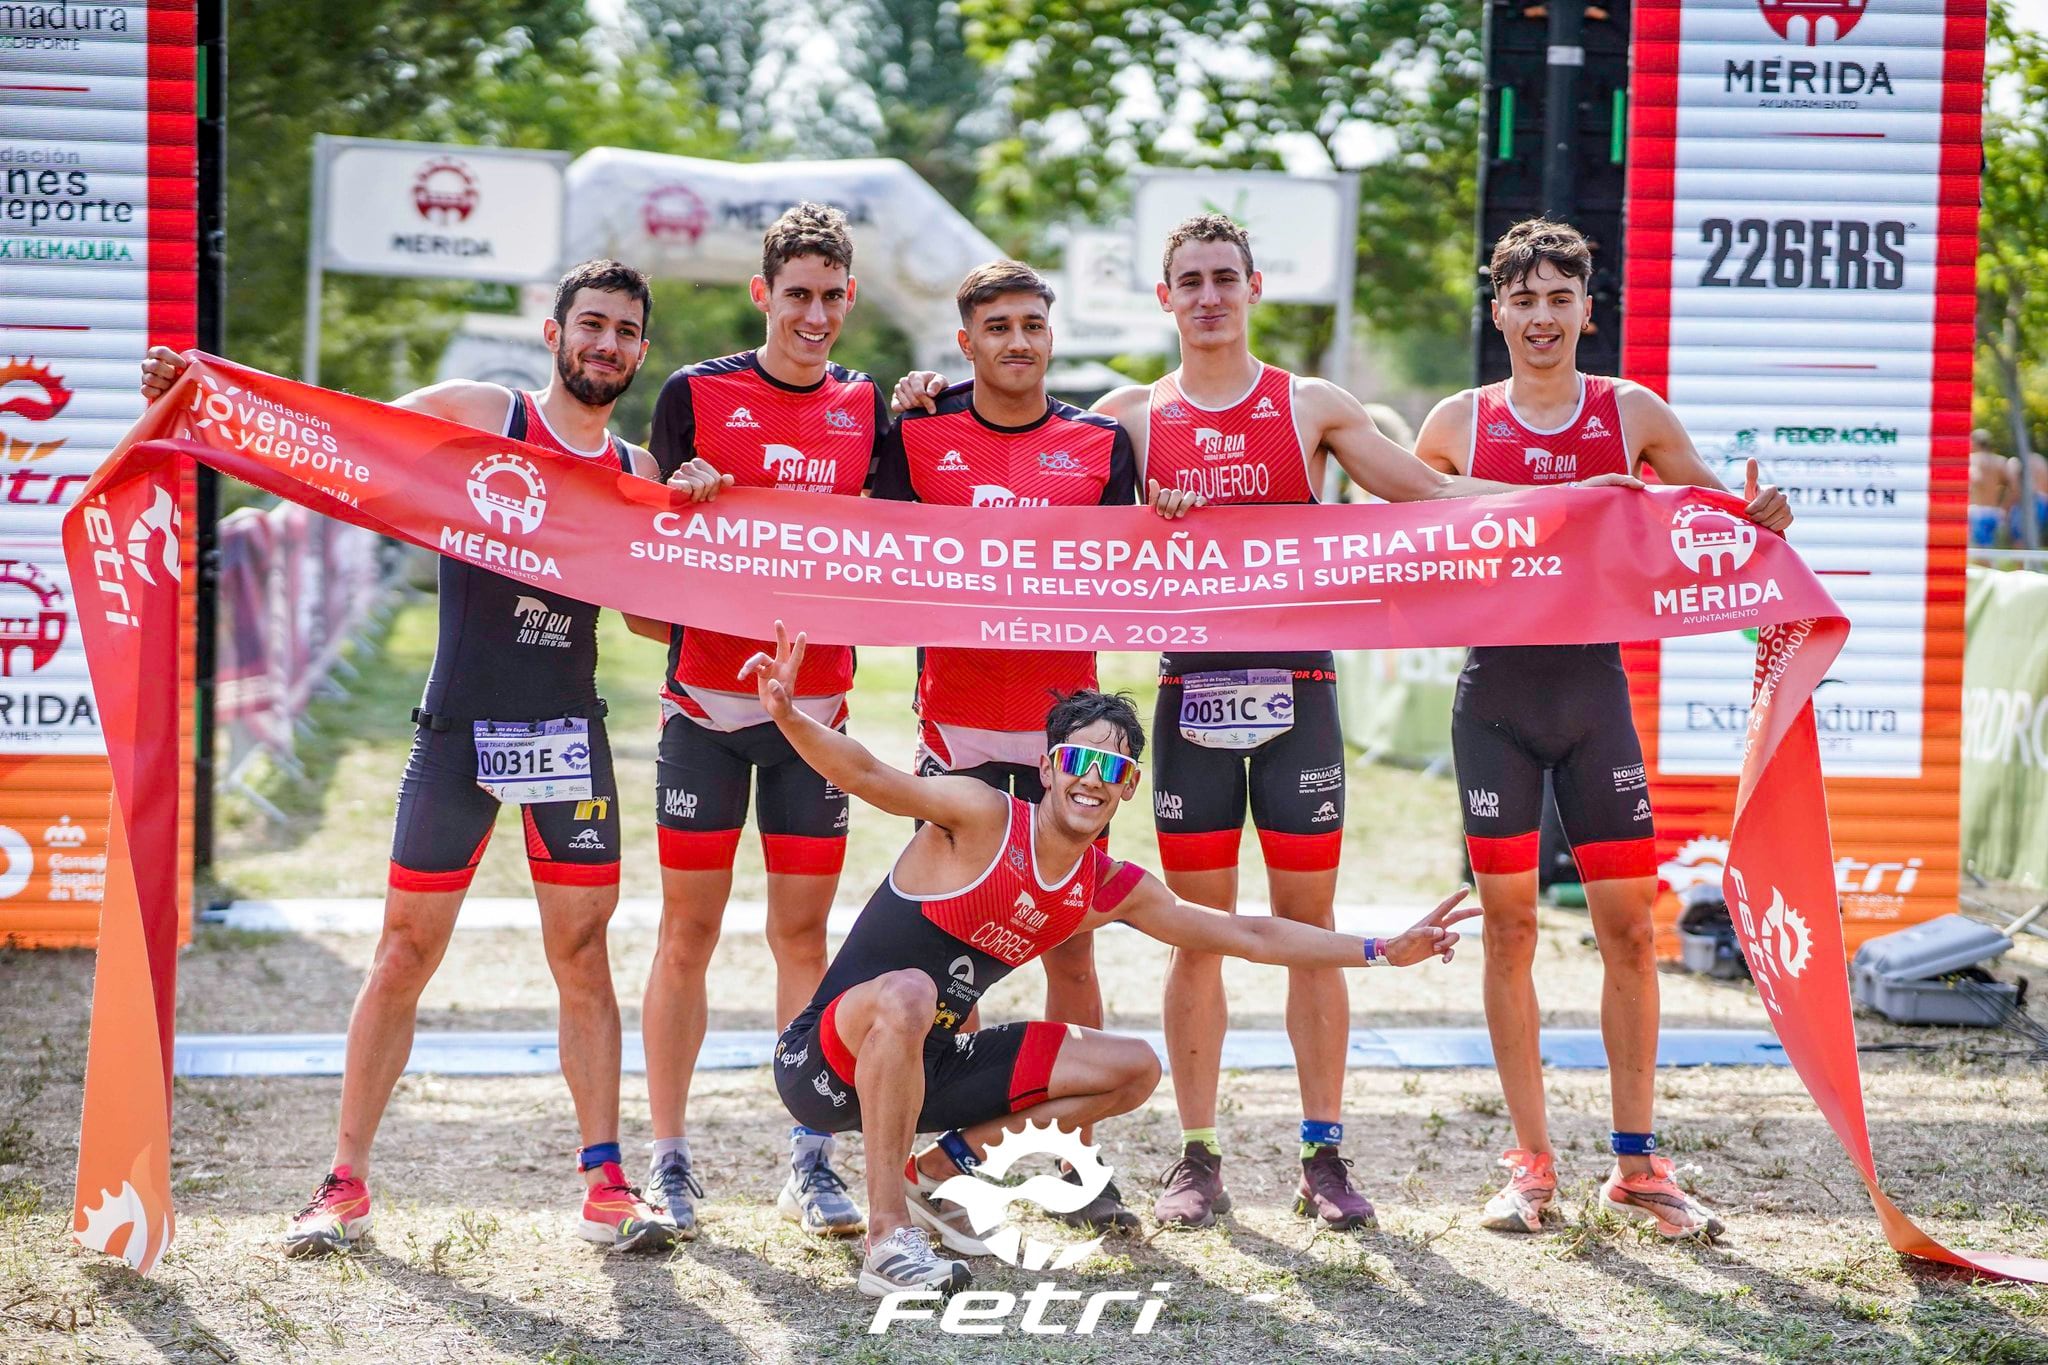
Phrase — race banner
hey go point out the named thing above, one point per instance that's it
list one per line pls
(2005, 727)
(98, 250)
(1544, 566)
(1802, 241)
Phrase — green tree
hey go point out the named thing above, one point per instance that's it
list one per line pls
(1096, 87)
(525, 73)
(2012, 253)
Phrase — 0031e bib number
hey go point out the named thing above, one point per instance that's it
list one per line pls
(1240, 708)
(528, 762)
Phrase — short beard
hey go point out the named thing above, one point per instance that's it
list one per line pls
(586, 390)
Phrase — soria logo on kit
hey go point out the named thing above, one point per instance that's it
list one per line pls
(984, 1313)
(32, 393)
(444, 191)
(674, 211)
(38, 631)
(507, 492)
(1812, 22)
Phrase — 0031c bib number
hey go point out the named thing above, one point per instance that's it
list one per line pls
(1237, 709)
(528, 762)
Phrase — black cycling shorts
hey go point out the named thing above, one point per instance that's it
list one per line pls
(445, 819)
(701, 779)
(1523, 709)
(969, 1078)
(1293, 784)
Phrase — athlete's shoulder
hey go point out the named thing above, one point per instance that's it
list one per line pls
(472, 402)
(952, 401)
(1447, 431)
(1067, 412)
(1125, 404)
(726, 364)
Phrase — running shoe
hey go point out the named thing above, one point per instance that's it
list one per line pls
(944, 1220)
(337, 1216)
(1655, 1196)
(672, 1189)
(614, 1215)
(905, 1260)
(1518, 1206)
(1104, 1213)
(1194, 1192)
(1326, 1194)
(815, 1197)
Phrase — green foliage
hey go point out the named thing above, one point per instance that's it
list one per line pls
(1096, 87)
(520, 73)
(2012, 254)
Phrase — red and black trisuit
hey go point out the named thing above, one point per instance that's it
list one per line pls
(1522, 709)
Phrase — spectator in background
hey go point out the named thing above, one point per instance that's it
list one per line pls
(1993, 481)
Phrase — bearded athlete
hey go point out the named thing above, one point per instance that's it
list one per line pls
(988, 882)
(1001, 441)
(1522, 710)
(781, 416)
(515, 671)
(1226, 428)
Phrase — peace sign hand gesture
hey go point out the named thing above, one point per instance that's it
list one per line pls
(1432, 935)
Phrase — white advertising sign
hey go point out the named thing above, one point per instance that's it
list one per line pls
(421, 208)
(1297, 224)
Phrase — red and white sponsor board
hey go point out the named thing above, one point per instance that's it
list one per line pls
(98, 257)
(1802, 233)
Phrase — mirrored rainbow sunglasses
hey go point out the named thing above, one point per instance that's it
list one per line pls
(1076, 759)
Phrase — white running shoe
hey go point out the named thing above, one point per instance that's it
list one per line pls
(905, 1260)
(943, 1219)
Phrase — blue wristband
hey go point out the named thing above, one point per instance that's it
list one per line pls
(1375, 951)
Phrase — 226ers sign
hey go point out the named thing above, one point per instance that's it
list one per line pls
(1802, 211)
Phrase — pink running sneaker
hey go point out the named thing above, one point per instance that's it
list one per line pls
(1519, 1205)
(338, 1215)
(1656, 1196)
(614, 1215)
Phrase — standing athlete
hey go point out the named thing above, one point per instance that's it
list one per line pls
(781, 416)
(988, 882)
(1226, 428)
(1001, 441)
(1522, 710)
(515, 669)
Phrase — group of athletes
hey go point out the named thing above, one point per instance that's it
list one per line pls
(1021, 763)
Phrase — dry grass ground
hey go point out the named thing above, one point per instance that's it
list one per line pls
(475, 1257)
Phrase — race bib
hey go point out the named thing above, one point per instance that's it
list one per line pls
(1240, 708)
(528, 762)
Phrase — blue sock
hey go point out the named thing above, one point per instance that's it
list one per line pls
(1315, 1134)
(799, 1131)
(597, 1154)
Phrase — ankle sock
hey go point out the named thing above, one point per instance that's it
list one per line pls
(1205, 1136)
(663, 1146)
(1315, 1133)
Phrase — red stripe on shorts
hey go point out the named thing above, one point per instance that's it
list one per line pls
(1032, 1074)
(697, 850)
(1503, 857)
(803, 855)
(1199, 852)
(1616, 859)
(1301, 852)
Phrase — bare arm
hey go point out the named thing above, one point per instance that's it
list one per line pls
(957, 804)
(1445, 441)
(1151, 908)
(1129, 405)
(468, 401)
(1663, 445)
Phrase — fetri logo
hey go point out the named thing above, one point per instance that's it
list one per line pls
(1710, 541)
(39, 631)
(674, 212)
(988, 1204)
(20, 862)
(1697, 863)
(444, 191)
(506, 490)
(1778, 943)
(161, 518)
(33, 393)
(1812, 22)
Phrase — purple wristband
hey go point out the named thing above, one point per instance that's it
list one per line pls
(1375, 951)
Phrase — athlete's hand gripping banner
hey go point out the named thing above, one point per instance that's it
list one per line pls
(1551, 566)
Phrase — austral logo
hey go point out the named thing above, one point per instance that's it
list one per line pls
(444, 191)
(1812, 22)
(674, 213)
(39, 630)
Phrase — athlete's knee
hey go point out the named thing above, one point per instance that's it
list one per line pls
(1072, 963)
(1509, 937)
(1629, 943)
(407, 953)
(578, 952)
(1139, 1069)
(685, 944)
(904, 1001)
(796, 940)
